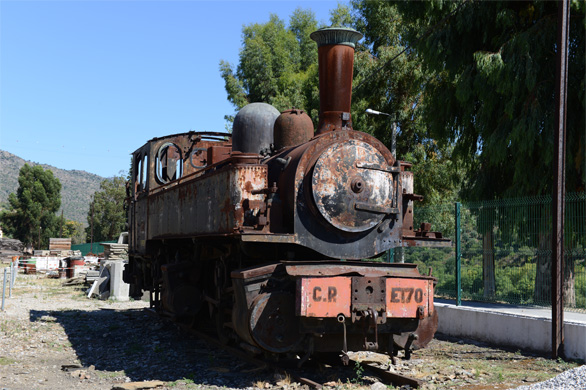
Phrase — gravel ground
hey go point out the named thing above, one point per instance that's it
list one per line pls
(52, 337)
(574, 379)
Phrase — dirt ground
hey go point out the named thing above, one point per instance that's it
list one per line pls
(53, 337)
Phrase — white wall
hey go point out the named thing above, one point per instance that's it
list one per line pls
(508, 329)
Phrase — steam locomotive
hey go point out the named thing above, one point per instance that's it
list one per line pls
(262, 234)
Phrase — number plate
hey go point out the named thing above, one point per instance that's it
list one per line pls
(324, 297)
(404, 296)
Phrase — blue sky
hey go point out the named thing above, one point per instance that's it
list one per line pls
(85, 83)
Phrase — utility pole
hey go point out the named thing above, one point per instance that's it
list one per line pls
(559, 193)
(92, 230)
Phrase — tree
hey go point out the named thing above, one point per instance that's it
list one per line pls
(31, 210)
(491, 89)
(107, 215)
(278, 65)
(490, 69)
(75, 231)
(390, 78)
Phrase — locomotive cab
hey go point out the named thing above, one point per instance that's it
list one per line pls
(166, 162)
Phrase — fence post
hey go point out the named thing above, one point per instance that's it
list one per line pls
(11, 282)
(4, 288)
(15, 272)
(458, 257)
(390, 255)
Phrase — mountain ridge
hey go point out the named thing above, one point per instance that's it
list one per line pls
(77, 187)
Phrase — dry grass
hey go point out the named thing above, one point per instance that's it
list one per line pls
(43, 287)
(459, 365)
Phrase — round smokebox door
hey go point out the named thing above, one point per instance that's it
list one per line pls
(351, 187)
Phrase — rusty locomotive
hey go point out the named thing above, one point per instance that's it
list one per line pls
(261, 235)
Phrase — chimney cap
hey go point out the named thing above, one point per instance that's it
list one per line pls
(336, 36)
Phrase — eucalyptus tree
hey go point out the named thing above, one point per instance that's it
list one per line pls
(492, 71)
(390, 77)
(277, 65)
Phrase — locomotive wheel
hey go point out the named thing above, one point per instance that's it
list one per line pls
(222, 318)
(222, 314)
(273, 324)
(185, 302)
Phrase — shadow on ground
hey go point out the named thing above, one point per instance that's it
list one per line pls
(147, 348)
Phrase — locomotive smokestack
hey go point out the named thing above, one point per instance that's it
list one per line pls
(336, 64)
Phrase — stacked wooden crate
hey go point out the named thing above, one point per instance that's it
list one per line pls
(61, 244)
(114, 251)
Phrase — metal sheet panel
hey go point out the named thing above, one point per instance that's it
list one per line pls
(405, 296)
(324, 297)
(208, 204)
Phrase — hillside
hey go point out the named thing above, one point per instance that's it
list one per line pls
(77, 187)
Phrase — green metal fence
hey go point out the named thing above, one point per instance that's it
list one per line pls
(505, 251)
(94, 247)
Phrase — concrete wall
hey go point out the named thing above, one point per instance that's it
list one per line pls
(516, 330)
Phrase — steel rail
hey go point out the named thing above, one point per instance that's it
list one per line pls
(392, 377)
(387, 377)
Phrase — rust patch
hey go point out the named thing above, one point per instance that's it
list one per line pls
(254, 272)
(368, 293)
(353, 268)
(292, 127)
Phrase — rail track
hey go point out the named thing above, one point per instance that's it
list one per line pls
(303, 372)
